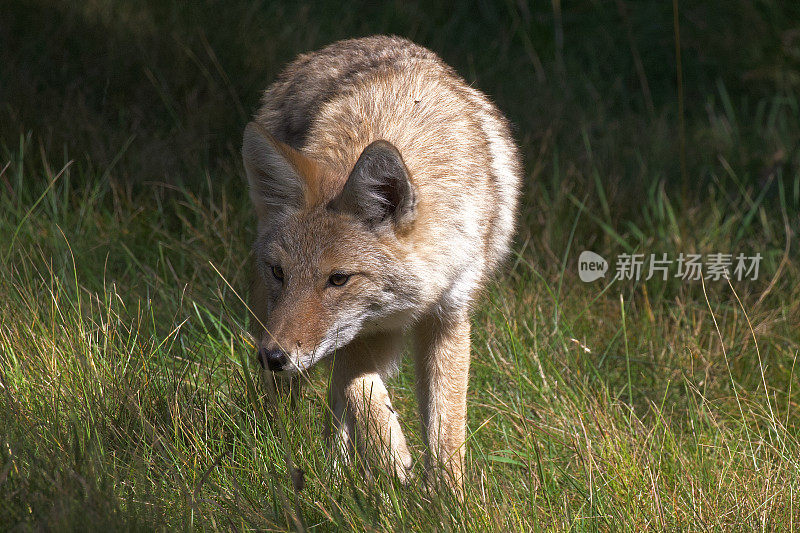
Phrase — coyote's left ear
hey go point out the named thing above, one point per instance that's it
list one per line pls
(378, 190)
(273, 171)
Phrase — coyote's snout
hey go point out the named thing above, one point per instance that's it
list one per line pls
(385, 190)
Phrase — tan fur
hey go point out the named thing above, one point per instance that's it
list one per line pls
(419, 225)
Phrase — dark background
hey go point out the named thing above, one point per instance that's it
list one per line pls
(161, 90)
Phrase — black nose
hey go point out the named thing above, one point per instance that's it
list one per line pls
(273, 359)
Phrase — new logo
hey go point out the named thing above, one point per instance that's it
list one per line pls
(591, 266)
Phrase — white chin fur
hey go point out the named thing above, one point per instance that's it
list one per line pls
(301, 365)
(332, 342)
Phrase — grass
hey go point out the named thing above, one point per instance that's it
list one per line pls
(128, 396)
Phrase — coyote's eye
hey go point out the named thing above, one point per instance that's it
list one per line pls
(278, 273)
(338, 279)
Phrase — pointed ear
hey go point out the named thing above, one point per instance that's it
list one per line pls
(378, 190)
(274, 181)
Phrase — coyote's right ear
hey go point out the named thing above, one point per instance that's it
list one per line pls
(272, 173)
(378, 189)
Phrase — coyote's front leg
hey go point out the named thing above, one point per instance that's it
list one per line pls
(442, 364)
(362, 417)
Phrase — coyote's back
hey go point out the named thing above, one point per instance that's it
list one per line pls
(386, 190)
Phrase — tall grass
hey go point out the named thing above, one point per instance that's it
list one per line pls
(129, 398)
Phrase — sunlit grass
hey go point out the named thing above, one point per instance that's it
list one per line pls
(129, 397)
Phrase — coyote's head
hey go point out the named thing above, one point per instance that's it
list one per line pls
(327, 253)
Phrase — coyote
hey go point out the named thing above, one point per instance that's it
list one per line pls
(385, 190)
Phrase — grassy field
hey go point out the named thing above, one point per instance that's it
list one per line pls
(128, 394)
